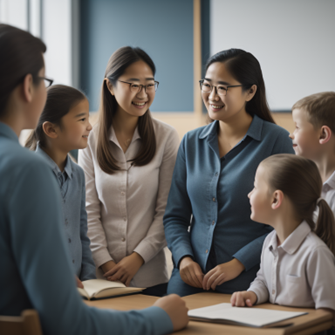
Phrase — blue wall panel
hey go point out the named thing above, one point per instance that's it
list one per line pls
(164, 29)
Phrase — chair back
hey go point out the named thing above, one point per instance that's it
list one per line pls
(26, 324)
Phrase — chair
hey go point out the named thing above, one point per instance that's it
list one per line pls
(26, 324)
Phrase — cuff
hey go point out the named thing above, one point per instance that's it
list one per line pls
(101, 257)
(262, 294)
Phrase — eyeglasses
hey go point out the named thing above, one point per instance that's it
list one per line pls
(221, 90)
(136, 88)
(47, 82)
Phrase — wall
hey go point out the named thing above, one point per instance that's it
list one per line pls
(164, 29)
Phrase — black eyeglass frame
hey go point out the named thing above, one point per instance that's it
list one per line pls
(50, 81)
(201, 81)
(140, 85)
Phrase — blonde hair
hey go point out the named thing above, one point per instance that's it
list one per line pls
(320, 108)
(299, 179)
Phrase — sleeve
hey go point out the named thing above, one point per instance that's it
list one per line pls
(283, 144)
(155, 238)
(178, 211)
(259, 286)
(96, 232)
(87, 264)
(250, 253)
(39, 249)
(321, 277)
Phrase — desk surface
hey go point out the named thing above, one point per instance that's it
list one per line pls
(314, 321)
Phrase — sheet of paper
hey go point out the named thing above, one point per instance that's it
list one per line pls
(255, 317)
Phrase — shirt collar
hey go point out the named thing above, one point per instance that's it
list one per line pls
(54, 167)
(293, 242)
(113, 138)
(254, 131)
(8, 132)
(330, 181)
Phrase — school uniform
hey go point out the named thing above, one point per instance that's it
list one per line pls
(71, 183)
(125, 209)
(300, 272)
(36, 268)
(208, 212)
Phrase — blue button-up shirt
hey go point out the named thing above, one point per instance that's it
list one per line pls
(34, 261)
(72, 187)
(208, 212)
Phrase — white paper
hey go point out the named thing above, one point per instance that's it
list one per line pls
(254, 317)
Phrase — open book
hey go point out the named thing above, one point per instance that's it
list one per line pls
(242, 316)
(100, 288)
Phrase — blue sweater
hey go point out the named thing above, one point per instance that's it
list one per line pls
(35, 265)
(211, 193)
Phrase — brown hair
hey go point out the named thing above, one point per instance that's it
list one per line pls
(60, 100)
(299, 179)
(116, 66)
(320, 108)
(21, 54)
(245, 68)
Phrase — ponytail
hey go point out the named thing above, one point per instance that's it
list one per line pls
(32, 140)
(325, 226)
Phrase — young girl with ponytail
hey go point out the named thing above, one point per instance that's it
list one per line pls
(62, 127)
(297, 262)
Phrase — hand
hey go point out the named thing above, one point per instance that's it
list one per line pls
(79, 283)
(222, 273)
(243, 298)
(107, 266)
(176, 308)
(126, 269)
(190, 272)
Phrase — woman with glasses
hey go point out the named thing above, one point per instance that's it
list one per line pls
(214, 243)
(128, 165)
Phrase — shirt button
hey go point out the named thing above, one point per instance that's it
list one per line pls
(69, 240)
(122, 193)
(216, 174)
(213, 223)
(214, 199)
(66, 221)
(124, 219)
(273, 291)
(123, 239)
(206, 251)
(64, 201)
(73, 261)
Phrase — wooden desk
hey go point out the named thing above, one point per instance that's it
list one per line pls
(311, 323)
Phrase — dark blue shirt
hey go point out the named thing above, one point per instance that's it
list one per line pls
(208, 212)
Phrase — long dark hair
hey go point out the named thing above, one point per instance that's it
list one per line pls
(116, 66)
(299, 179)
(21, 54)
(60, 99)
(245, 68)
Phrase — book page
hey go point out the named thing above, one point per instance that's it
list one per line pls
(93, 286)
(254, 317)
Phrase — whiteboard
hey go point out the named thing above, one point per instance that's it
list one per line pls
(294, 41)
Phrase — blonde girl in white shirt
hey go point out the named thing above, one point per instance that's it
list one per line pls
(297, 262)
(128, 166)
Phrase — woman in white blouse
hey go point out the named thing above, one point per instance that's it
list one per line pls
(128, 166)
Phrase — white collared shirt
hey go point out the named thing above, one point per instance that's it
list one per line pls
(125, 209)
(328, 191)
(300, 272)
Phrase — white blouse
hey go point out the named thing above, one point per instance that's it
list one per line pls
(300, 272)
(125, 209)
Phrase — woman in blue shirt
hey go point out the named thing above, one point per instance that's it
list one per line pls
(214, 243)
(36, 268)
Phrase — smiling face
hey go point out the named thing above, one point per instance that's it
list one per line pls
(134, 103)
(261, 198)
(75, 127)
(231, 105)
(305, 137)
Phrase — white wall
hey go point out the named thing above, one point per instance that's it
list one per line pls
(292, 39)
